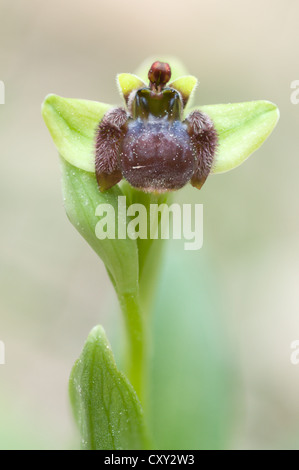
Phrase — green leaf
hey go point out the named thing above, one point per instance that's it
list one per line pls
(242, 128)
(194, 378)
(105, 404)
(81, 199)
(72, 124)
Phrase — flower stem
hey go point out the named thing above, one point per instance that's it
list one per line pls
(137, 344)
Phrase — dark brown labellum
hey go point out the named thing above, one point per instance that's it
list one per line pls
(157, 156)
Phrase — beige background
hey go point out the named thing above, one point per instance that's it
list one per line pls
(51, 281)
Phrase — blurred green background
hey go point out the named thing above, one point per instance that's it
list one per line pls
(243, 284)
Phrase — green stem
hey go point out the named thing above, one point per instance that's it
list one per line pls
(137, 305)
(137, 364)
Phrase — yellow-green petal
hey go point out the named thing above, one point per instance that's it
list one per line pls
(128, 82)
(242, 128)
(72, 124)
(186, 86)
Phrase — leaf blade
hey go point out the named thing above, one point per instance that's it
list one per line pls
(81, 199)
(193, 368)
(105, 404)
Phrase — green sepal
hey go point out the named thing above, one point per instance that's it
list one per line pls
(242, 128)
(72, 124)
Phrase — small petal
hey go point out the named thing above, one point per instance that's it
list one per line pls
(185, 86)
(242, 128)
(72, 124)
(127, 82)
